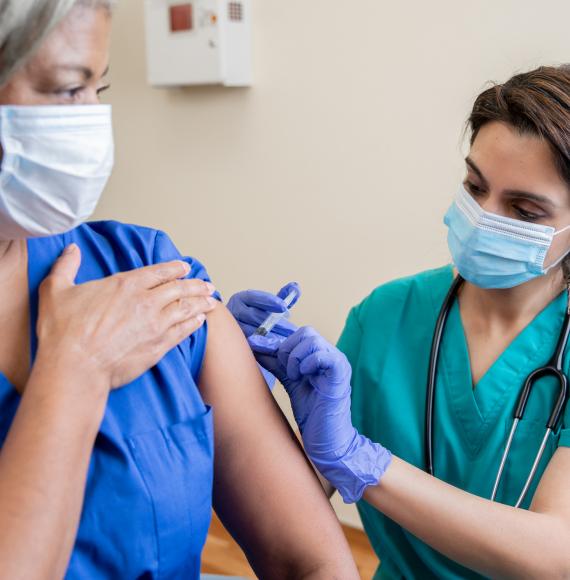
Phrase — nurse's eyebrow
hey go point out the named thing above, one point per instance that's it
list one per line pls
(530, 196)
(535, 197)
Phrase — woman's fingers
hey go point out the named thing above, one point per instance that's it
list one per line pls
(264, 301)
(329, 372)
(306, 353)
(287, 289)
(308, 346)
(289, 344)
(152, 276)
(317, 362)
(251, 318)
(65, 269)
(251, 315)
(187, 308)
(182, 289)
(181, 331)
(264, 344)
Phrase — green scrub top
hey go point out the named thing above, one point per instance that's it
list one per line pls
(387, 339)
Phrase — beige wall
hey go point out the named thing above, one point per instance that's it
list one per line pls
(336, 167)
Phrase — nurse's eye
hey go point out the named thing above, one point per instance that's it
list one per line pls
(527, 215)
(473, 189)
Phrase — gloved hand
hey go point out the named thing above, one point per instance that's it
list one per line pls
(251, 307)
(316, 377)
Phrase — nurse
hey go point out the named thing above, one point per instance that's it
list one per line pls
(509, 237)
(97, 481)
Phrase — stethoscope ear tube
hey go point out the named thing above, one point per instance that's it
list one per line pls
(560, 402)
(432, 372)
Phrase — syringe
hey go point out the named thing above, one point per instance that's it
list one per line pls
(273, 319)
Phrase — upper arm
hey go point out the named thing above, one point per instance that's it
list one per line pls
(265, 491)
(552, 496)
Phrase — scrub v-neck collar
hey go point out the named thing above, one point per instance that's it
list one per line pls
(478, 410)
(41, 254)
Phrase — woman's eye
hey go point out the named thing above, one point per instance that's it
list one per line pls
(103, 89)
(72, 93)
(473, 189)
(526, 215)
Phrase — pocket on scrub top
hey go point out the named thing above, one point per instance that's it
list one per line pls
(525, 446)
(176, 465)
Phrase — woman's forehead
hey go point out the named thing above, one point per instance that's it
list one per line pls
(80, 41)
(500, 150)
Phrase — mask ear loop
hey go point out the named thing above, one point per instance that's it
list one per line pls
(560, 260)
(566, 273)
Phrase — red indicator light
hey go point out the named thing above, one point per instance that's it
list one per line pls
(181, 17)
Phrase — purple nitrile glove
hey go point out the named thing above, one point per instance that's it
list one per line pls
(316, 377)
(250, 308)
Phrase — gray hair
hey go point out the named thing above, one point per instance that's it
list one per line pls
(25, 23)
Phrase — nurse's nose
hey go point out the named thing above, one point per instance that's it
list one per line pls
(492, 203)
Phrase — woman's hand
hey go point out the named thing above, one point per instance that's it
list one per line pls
(316, 377)
(251, 307)
(118, 327)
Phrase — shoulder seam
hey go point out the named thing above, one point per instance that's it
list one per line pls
(156, 233)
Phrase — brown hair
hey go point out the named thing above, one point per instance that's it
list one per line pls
(535, 103)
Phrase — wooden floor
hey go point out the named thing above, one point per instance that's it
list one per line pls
(223, 556)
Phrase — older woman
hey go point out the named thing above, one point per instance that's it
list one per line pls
(96, 482)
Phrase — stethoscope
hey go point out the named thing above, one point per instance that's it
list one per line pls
(553, 369)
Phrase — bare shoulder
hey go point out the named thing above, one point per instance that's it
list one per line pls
(230, 377)
(224, 333)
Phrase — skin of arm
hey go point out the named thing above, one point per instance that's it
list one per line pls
(43, 467)
(491, 538)
(83, 333)
(265, 491)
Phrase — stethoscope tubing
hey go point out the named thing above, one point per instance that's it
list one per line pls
(553, 368)
(432, 372)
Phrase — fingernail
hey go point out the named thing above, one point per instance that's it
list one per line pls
(211, 288)
(211, 301)
(70, 249)
(187, 267)
(201, 318)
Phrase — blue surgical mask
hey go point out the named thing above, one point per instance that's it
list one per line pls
(493, 251)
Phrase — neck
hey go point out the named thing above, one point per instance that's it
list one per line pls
(11, 255)
(513, 305)
(5, 248)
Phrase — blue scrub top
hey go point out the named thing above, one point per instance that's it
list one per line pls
(148, 498)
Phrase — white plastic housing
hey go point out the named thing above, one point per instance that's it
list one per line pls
(198, 42)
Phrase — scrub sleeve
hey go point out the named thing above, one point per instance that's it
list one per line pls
(148, 496)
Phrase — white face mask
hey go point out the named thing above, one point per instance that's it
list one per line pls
(56, 162)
